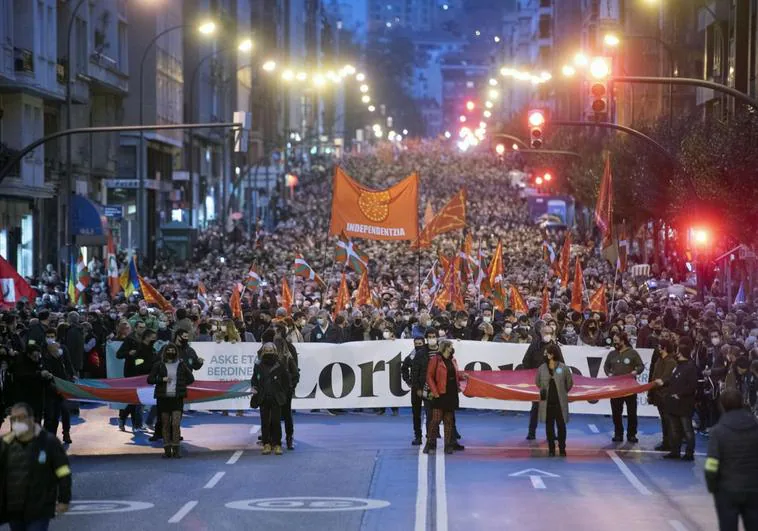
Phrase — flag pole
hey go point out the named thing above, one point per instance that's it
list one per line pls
(418, 272)
(327, 276)
(613, 295)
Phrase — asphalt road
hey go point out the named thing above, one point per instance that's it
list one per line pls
(359, 472)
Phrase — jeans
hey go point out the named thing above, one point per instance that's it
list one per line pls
(271, 424)
(617, 411)
(681, 428)
(289, 425)
(534, 418)
(730, 506)
(417, 405)
(56, 410)
(135, 410)
(36, 525)
(554, 416)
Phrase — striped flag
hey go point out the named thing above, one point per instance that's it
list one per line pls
(129, 278)
(153, 296)
(303, 270)
(253, 279)
(82, 275)
(349, 255)
(71, 287)
(202, 295)
(114, 286)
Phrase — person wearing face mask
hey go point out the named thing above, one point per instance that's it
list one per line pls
(486, 332)
(486, 318)
(413, 371)
(271, 385)
(138, 361)
(186, 352)
(295, 332)
(55, 360)
(356, 331)
(506, 335)
(554, 381)
(680, 403)
(443, 379)
(324, 332)
(460, 329)
(623, 360)
(591, 334)
(171, 376)
(568, 335)
(533, 359)
(31, 379)
(35, 476)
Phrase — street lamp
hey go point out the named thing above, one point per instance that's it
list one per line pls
(568, 71)
(269, 66)
(611, 40)
(366, 98)
(581, 59)
(599, 68)
(205, 28)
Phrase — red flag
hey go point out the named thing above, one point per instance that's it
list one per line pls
(623, 247)
(235, 303)
(363, 296)
(286, 295)
(428, 213)
(604, 206)
(598, 302)
(13, 288)
(153, 296)
(451, 217)
(450, 290)
(565, 261)
(518, 305)
(343, 296)
(495, 277)
(577, 290)
(114, 285)
(545, 307)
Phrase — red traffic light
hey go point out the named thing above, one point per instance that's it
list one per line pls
(536, 118)
(538, 181)
(548, 176)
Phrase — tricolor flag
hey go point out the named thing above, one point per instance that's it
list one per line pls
(253, 279)
(13, 288)
(604, 206)
(286, 301)
(303, 270)
(349, 255)
(114, 286)
(153, 296)
(82, 275)
(343, 296)
(577, 291)
(129, 278)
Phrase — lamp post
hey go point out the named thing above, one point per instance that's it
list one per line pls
(69, 182)
(206, 28)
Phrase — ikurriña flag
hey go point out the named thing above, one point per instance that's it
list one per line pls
(304, 270)
(348, 254)
(360, 212)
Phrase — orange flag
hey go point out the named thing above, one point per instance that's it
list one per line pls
(495, 277)
(286, 295)
(360, 212)
(604, 206)
(518, 305)
(565, 262)
(451, 217)
(598, 302)
(443, 260)
(577, 290)
(363, 296)
(343, 297)
(545, 307)
(450, 289)
(235, 303)
(153, 296)
(428, 213)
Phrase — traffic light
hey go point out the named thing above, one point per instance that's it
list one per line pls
(599, 73)
(548, 176)
(536, 125)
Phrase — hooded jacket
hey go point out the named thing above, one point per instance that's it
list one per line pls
(732, 462)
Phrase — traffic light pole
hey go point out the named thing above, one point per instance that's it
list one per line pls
(736, 94)
(525, 148)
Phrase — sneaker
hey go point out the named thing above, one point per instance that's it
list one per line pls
(266, 449)
(121, 425)
(290, 444)
(633, 439)
(66, 438)
(278, 450)
(416, 441)
(672, 455)
(688, 457)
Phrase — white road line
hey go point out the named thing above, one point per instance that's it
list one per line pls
(214, 480)
(235, 457)
(184, 511)
(677, 525)
(628, 474)
(594, 429)
(254, 429)
(441, 491)
(422, 490)
(537, 482)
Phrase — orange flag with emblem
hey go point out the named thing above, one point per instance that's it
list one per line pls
(518, 304)
(360, 212)
(598, 302)
(286, 295)
(495, 277)
(545, 307)
(343, 296)
(363, 295)
(451, 217)
(577, 290)
(153, 296)
(235, 303)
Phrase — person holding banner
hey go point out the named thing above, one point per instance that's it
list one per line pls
(623, 360)
(554, 381)
(414, 375)
(271, 385)
(533, 359)
(443, 379)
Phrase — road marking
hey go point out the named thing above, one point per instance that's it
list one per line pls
(537, 482)
(235, 457)
(441, 491)
(535, 476)
(422, 491)
(677, 525)
(303, 504)
(214, 480)
(594, 429)
(628, 474)
(184, 511)
(105, 506)
(254, 429)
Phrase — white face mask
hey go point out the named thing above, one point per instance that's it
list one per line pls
(20, 428)
(321, 322)
(643, 322)
(487, 319)
(547, 338)
(508, 329)
(387, 334)
(715, 341)
(432, 342)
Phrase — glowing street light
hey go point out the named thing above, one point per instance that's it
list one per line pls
(360, 77)
(447, 134)
(489, 104)
(599, 69)
(568, 71)
(365, 98)
(493, 94)
(319, 80)
(302, 76)
(538, 181)
(500, 149)
(405, 132)
(700, 236)
(349, 70)
(269, 66)
(496, 39)
(470, 106)
(478, 33)
(611, 39)
(371, 108)
(548, 176)
(505, 71)
(462, 118)
(376, 127)
(536, 118)
(364, 88)
(246, 45)
(487, 114)
(288, 75)
(206, 28)
(581, 60)
(545, 76)
(493, 82)
(514, 147)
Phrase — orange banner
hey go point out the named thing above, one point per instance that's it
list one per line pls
(360, 212)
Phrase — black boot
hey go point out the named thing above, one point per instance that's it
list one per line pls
(66, 437)
(167, 452)
(290, 444)
(176, 452)
(551, 449)
(562, 448)
(429, 447)
(449, 449)
(416, 441)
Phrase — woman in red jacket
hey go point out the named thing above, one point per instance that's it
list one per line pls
(442, 378)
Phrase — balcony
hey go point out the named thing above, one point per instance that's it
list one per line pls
(23, 60)
(104, 72)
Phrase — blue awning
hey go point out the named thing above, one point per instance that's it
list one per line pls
(86, 222)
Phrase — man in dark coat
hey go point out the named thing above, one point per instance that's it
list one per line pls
(324, 332)
(56, 360)
(138, 359)
(75, 342)
(38, 327)
(31, 379)
(680, 404)
(731, 468)
(414, 375)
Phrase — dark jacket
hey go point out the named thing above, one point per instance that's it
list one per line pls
(355, 333)
(184, 378)
(681, 389)
(37, 332)
(622, 363)
(59, 366)
(189, 356)
(75, 346)
(141, 363)
(535, 355)
(732, 462)
(663, 370)
(409, 369)
(272, 383)
(49, 476)
(463, 334)
(331, 335)
(28, 384)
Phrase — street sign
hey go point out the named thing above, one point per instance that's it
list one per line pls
(535, 475)
(113, 211)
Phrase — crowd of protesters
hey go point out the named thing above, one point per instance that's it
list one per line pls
(50, 337)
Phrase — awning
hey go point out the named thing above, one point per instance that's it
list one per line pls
(86, 222)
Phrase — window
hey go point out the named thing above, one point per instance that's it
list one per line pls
(26, 247)
(123, 47)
